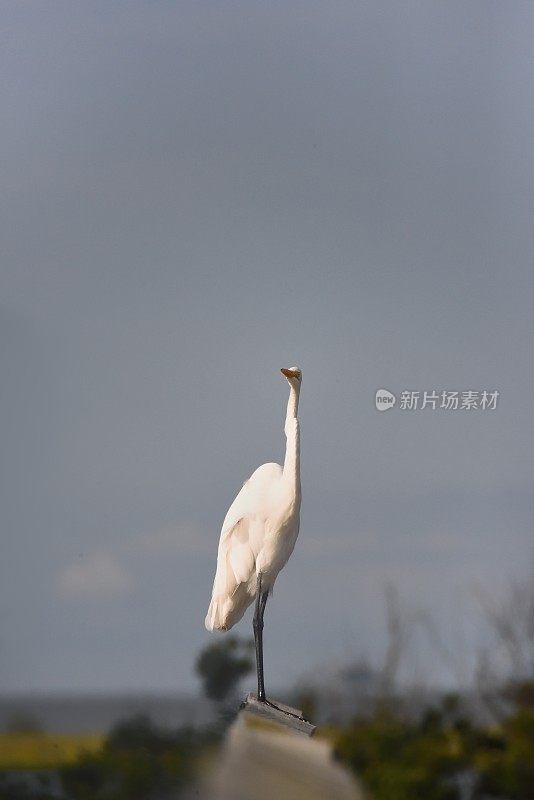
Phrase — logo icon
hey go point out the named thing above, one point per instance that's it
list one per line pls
(384, 400)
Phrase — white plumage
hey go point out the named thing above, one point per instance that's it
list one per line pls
(261, 527)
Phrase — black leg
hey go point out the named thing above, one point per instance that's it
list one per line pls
(257, 622)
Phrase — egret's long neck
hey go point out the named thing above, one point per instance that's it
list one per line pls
(291, 429)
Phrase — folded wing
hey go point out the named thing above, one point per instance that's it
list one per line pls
(235, 580)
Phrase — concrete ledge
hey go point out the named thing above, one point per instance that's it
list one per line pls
(279, 713)
(269, 754)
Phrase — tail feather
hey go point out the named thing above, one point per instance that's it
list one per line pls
(224, 613)
(212, 621)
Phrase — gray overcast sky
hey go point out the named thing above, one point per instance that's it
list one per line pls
(195, 194)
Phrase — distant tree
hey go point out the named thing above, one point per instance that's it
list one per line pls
(221, 665)
(307, 702)
(505, 670)
(505, 758)
(511, 619)
(139, 761)
(139, 733)
(23, 722)
(398, 631)
(400, 760)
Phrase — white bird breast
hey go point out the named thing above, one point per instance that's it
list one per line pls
(278, 545)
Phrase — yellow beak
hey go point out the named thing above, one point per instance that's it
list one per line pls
(289, 373)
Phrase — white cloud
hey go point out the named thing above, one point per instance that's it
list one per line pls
(97, 575)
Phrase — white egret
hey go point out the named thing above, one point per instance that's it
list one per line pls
(258, 535)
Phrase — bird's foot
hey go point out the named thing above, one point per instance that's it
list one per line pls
(282, 710)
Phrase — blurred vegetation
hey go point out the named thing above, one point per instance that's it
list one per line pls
(22, 722)
(221, 665)
(433, 758)
(28, 750)
(139, 761)
(396, 757)
(445, 752)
